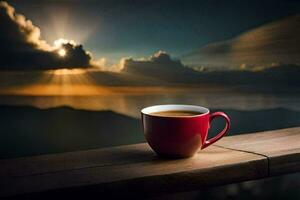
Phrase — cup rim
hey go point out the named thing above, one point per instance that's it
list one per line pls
(165, 107)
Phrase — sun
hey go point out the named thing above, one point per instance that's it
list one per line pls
(59, 44)
(62, 52)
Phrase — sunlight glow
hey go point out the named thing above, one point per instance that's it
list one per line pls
(65, 82)
(62, 52)
(62, 72)
(59, 42)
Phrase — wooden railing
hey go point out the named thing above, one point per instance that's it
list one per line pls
(135, 169)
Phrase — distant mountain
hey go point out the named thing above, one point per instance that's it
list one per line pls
(29, 131)
(259, 120)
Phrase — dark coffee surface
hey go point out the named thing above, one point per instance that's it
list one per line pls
(176, 113)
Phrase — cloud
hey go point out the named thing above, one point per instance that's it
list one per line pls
(270, 44)
(163, 68)
(158, 65)
(22, 47)
(103, 65)
(265, 50)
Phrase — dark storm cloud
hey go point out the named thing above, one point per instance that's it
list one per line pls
(273, 43)
(22, 48)
(159, 65)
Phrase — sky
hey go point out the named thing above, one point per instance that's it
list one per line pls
(138, 28)
(70, 47)
(269, 45)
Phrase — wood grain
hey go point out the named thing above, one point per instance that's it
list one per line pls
(136, 169)
(204, 167)
(281, 147)
(76, 160)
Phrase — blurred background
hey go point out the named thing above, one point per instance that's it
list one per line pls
(75, 74)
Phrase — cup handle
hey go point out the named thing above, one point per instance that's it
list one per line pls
(222, 133)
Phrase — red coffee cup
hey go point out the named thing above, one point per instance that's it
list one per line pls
(180, 136)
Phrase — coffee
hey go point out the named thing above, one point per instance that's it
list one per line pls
(176, 113)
